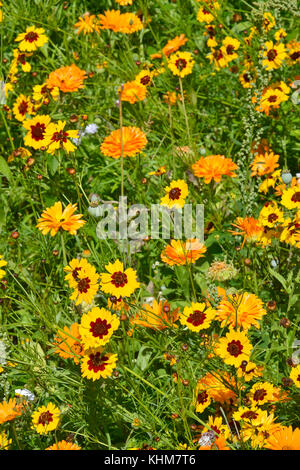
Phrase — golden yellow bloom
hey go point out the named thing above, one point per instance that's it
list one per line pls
(213, 167)
(175, 194)
(31, 39)
(86, 24)
(295, 375)
(261, 393)
(273, 55)
(249, 371)
(293, 52)
(84, 281)
(118, 281)
(55, 218)
(67, 343)
(202, 399)
(270, 215)
(247, 79)
(160, 171)
(291, 198)
(20, 58)
(181, 63)
(269, 21)
(97, 364)
(64, 445)
(234, 348)
(218, 58)
(259, 429)
(59, 138)
(133, 92)
(206, 13)
(124, 2)
(247, 414)
(144, 77)
(215, 423)
(280, 34)
(2, 263)
(41, 94)
(291, 231)
(127, 23)
(46, 418)
(181, 253)
(197, 317)
(97, 327)
(134, 140)
(242, 310)
(4, 441)
(229, 48)
(271, 98)
(264, 164)
(36, 135)
(157, 316)
(284, 438)
(9, 410)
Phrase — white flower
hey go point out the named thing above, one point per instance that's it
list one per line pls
(91, 129)
(24, 392)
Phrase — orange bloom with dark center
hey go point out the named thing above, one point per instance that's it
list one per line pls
(67, 79)
(220, 386)
(134, 140)
(214, 167)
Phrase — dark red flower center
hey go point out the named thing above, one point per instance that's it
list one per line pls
(246, 77)
(45, 418)
(23, 107)
(145, 80)
(84, 285)
(181, 64)
(75, 273)
(99, 328)
(31, 37)
(60, 136)
(271, 54)
(295, 55)
(230, 49)
(259, 394)
(296, 197)
(249, 415)
(97, 362)
(272, 218)
(119, 279)
(196, 318)
(235, 348)
(22, 59)
(37, 131)
(202, 397)
(272, 98)
(175, 193)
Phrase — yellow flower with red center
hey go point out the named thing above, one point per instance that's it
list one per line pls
(181, 63)
(36, 135)
(295, 375)
(157, 316)
(269, 182)
(68, 79)
(249, 370)
(180, 253)
(132, 92)
(31, 39)
(248, 227)
(41, 94)
(2, 263)
(64, 445)
(280, 34)
(46, 418)
(174, 44)
(197, 316)
(55, 218)
(270, 215)
(264, 164)
(85, 284)
(229, 48)
(134, 140)
(293, 55)
(247, 413)
(241, 310)
(144, 77)
(20, 58)
(269, 21)
(213, 167)
(9, 410)
(261, 393)
(220, 386)
(259, 429)
(215, 424)
(247, 79)
(160, 171)
(283, 438)
(87, 24)
(98, 364)
(273, 55)
(210, 32)
(271, 99)
(234, 348)
(97, 326)
(67, 343)
(175, 194)
(202, 398)
(119, 281)
(218, 58)
(73, 268)
(291, 231)
(291, 198)
(206, 13)
(59, 138)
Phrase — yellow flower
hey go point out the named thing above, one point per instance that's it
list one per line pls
(202, 399)
(144, 77)
(249, 371)
(229, 48)
(280, 34)
(4, 441)
(273, 56)
(22, 107)
(133, 92)
(175, 194)
(118, 281)
(86, 24)
(21, 58)
(64, 445)
(59, 139)
(46, 418)
(54, 218)
(181, 63)
(261, 393)
(234, 348)
(197, 317)
(216, 424)
(295, 375)
(259, 429)
(97, 364)
(284, 438)
(97, 327)
(31, 39)
(36, 135)
(291, 198)
(269, 21)
(291, 231)
(2, 263)
(270, 215)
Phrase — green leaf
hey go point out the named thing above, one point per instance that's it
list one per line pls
(4, 169)
(143, 357)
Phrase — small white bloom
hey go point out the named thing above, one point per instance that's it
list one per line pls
(24, 392)
(91, 129)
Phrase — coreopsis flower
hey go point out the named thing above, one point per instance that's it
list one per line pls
(124, 2)
(280, 34)
(247, 413)
(68, 79)
(197, 316)
(64, 445)
(87, 24)
(229, 48)
(283, 438)
(41, 94)
(271, 99)
(97, 326)
(202, 398)
(180, 253)
(134, 140)
(216, 424)
(206, 13)
(293, 52)
(181, 63)
(291, 198)
(36, 135)
(213, 167)
(257, 430)
(157, 316)
(117, 304)
(218, 58)
(249, 370)
(160, 171)
(269, 21)
(269, 182)
(175, 195)
(67, 343)
(59, 138)
(291, 231)
(73, 268)
(144, 77)
(174, 44)
(98, 364)
(5, 442)
(247, 79)
(270, 215)
(132, 92)
(23, 107)
(9, 410)
(31, 39)
(234, 348)
(273, 55)
(20, 58)
(241, 310)
(46, 418)
(55, 218)
(220, 385)
(119, 281)
(84, 281)
(264, 164)
(248, 227)
(211, 33)
(295, 375)
(2, 263)
(261, 393)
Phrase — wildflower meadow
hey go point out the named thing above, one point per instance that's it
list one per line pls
(149, 225)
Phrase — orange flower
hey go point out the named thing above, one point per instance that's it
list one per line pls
(86, 24)
(242, 310)
(67, 79)
(54, 218)
(133, 92)
(134, 140)
(264, 164)
(64, 445)
(219, 385)
(182, 253)
(120, 22)
(174, 44)
(9, 410)
(249, 227)
(68, 343)
(214, 167)
(284, 438)
(158, 316)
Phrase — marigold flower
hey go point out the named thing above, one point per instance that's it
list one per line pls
(234, 348)
(159, 316)
(249, 227)
(175, 194)
(174, 44)
(197, 317)
(97, 327)
(127, 23)
(87, 24)
(36, 135)
(46, 418)
(118, 281)
(283, 438)
(220, 386)
(133, 92)
(181, 63)
(64, 445)
(68, 79)
(214, 167)
(97, 364)
(54, 218)
(134, 140)
(180, 253)
(242, 310)
(31, 39)
(67, 343)
(9, 410)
